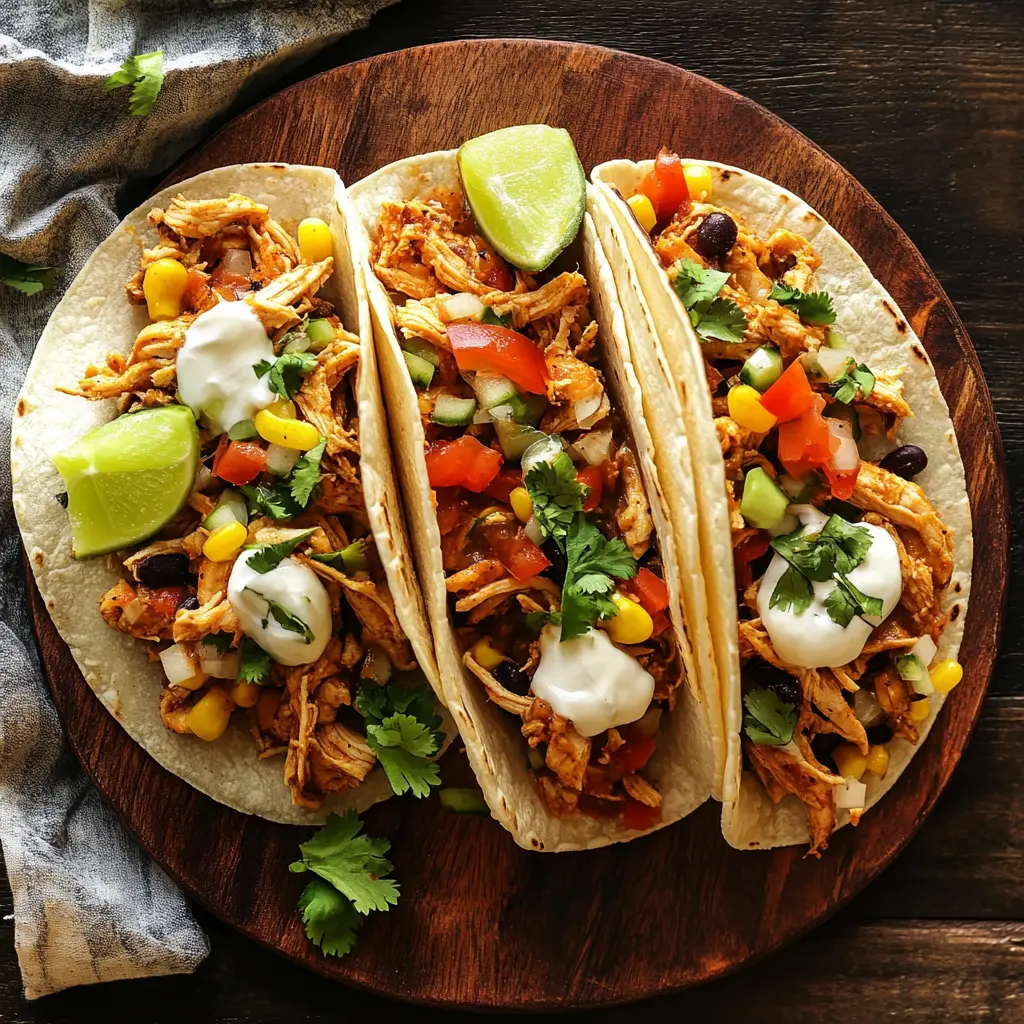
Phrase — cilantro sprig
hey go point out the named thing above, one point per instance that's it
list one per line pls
(593, 565)
(853, 382)
(488, 316)
(402, 730)
(557, 495)
(812, 307)
(270, 556)
(285, 619)
(768, 721)
(306, 474)
(145, 74)
(351, 881)
(285, 374)
(711, 316)
(273, 500)
(27, 278)
(253, 663)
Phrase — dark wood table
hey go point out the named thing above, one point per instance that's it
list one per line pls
(923, 103)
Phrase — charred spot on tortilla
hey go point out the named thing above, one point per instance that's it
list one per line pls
(919, 352)
(901, 326)
(954, 613)
(22, 407)
(889, 309)
(957, 587)
(726, 175)
(37, 557)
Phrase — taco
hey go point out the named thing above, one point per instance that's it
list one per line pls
(545, 546)
(273, 613)
(835, 521)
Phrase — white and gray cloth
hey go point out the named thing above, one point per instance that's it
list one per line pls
(88, 904)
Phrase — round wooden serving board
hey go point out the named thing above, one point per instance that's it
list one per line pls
(482, 923)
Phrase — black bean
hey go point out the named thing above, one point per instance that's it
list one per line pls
(768, 677)
(513, 678)
(190, 604)
(906, 461)
(716, 235)
(170, 570)
(556, 570)
(879, 734)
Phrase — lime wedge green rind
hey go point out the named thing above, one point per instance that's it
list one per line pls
(129, 478)
(527, 190)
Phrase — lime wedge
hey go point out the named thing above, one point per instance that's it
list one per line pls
(527, 190)
(129, 478)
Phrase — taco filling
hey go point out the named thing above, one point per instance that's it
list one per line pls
(264, 594)
(556, 590)
(840, 558)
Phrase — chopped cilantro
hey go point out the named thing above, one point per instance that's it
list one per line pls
(27, 278)
(254, 664)
(593, 563)
(814, 560)
(852, 540)
(145, 73)
(769, 721)
(723, 320)
(557, 495)
(274, 500)
(711, 316)
(695, 284)
(538, 620)
(811, 307)
(220, 642)
(286, 372)
(285, 619)
(270, 556)
(792, 591)
(331, 920)
(853, 382)
(306, 474)
(488, 316)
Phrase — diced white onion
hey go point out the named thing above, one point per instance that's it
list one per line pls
(534, 531)
(132, 611)
(546, 448)
(586, 407)
(851, 795)
(237, 261)
(203, 478)
(483, 416)
(848, 456)
(280, 460)
(220, 666)
(866, 708)
(463, 306)
(832, 361)
(500, 412)
(178, 664)
(377, 665)
(925, 649)
(787, 524)
(592, 448)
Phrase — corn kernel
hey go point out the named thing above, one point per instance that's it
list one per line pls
(225, 541)
(522, 504)
(485, 655)
(920, 710)
(946, 674)
(746, 409)
(643, 210)
(315, 242)
(267, 704)
(698, 182)
(850, 762)
(194, 683)
(287, 433)
(209, 716)
(164, 287)
(631, 623)
(878, 760)
(245, 694)
(283, 409)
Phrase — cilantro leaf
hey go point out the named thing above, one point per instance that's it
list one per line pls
(331, 920)
(792, 591)
(220, 642)
(811, 307)
(723, 320)
(254, 663)
(306, 474)
(375, 703)
(27, 278)
(488, 316)
(557, 495)
(271, 500)
(854, 381)
(285, 619)
(592, 563)
(695, 284)
(866, 605)
(354, 864)
(270, 556)
(145, 73)
(284, 375)
(538, 620)
(840, 606)
(769, 721)
(815, 561)
(852, 540)
(404, 747)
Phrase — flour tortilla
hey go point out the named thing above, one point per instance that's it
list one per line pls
(882, 337)
(94, 318)
(682, 766)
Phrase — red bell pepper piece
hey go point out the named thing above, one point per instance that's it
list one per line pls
(650, 590)
(594, 479)
(500, 350)
(517, 552)
(790, 395)
(464, 462)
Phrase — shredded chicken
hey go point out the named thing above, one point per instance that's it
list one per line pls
(201, 218)
(567, 751)
(478, 574)
(634, 517)
(505, 587)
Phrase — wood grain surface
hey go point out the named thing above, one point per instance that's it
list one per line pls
(922, 103)
(482, 923)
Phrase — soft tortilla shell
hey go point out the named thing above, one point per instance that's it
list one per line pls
(881, 335)
(94, 318)
(494, 744)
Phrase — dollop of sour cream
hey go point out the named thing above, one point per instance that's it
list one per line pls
(811, 639)
(296, 588)
(215, 366)
(590, 681)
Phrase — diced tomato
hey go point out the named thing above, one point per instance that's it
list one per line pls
(749, 550)
(805, 443)
(507, 480)
(841, 482)
(665, 185)
(517, 552)
(224, 282)
(638, 816)
(165, 601)
(239, 462)
(450, 508)
(634, 755)
(594, 479)
(661, 623)
(500, 350)
(790, 395)
(496, 272)
(197, 291)
(464, 462)
(650, 590)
